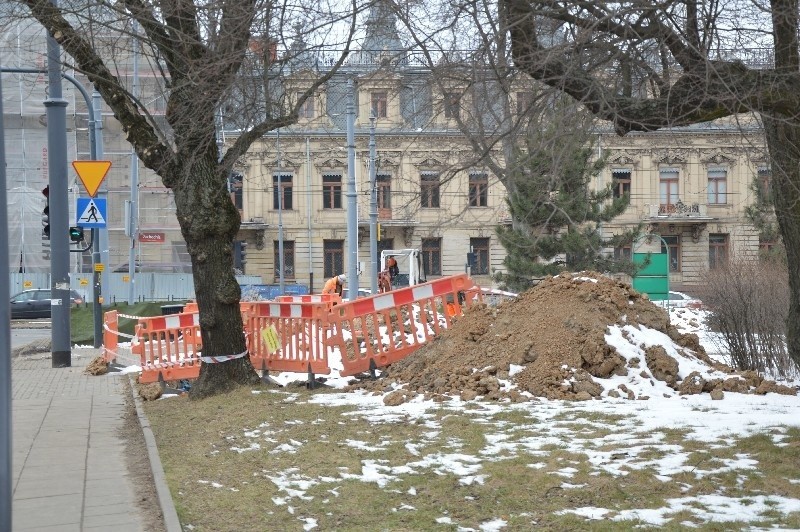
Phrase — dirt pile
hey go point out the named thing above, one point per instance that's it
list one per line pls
(551, 342)
(98, 366)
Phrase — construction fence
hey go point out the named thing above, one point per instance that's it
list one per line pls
(299, 334)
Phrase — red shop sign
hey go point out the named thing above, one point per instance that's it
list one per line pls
(152, 237)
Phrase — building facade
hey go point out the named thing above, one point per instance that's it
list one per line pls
(688, 187)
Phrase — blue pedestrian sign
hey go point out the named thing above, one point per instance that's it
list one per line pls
(91, 212)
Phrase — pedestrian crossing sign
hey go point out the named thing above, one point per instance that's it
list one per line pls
(91, 212)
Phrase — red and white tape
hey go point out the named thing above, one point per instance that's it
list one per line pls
(222, 358)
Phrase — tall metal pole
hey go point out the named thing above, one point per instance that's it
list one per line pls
(281, 280)
(373, 208)
(350, 194)
(56, 113)
(105, 277)
(97, 307)
(309, 211)
(133, 220)
(5, 344)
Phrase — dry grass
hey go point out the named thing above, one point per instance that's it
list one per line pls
(530, 469)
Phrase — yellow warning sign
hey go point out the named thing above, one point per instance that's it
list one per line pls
(27, 284)
(92, 174)
(84, 281)
(270, 336)
(126, 278)
(99, 267)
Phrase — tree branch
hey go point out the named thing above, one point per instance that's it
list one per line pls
(139, 132)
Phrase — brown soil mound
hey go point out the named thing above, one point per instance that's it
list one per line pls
(98, 366)
(556, 331)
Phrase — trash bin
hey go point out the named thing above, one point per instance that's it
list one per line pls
(166, 310)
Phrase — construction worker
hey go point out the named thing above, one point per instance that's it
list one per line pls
(391, 265)
(334, 284)
(384, 281)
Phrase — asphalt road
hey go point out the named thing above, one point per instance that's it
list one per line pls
(23, 332)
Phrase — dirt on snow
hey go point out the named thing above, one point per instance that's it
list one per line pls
(556, 333)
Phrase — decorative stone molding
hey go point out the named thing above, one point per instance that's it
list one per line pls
(382, 161)
(331, 164)
(672, 157)
(757, 156)
(408, 235)
(286, 164)
(718, 158)
(697, 231)
(624, 158)
(429, 163)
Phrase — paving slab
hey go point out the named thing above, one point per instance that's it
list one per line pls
(69, 463)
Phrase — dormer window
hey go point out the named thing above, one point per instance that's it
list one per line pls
(452, 105)
(380, 104)
(307, 109)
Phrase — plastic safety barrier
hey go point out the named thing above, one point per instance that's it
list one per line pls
(169, 347)
(410, 317)
(330, 299)
(298, 333)
(288, 336)
(110, 336)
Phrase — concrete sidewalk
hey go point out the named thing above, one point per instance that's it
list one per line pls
(69, 468)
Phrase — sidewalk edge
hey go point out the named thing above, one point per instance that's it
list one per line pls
(171, 521)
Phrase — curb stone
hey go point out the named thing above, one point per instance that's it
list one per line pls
(171, 521)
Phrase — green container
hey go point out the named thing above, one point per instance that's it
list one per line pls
(659, 264)
(656, 288)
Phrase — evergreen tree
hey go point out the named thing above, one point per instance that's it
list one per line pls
(556, 217)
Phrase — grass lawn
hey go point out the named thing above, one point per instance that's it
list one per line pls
(293, 459)
(82, 318)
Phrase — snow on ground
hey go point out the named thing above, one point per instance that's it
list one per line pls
(640, 431)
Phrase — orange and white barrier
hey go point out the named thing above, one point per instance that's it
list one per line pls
(169, 347)
(288, 336)
(110, 336)
(388, 327)
(298, 333)
(330, 299)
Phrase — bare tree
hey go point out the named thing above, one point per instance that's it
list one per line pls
(512, 125)
(205, 53)
(645, 66)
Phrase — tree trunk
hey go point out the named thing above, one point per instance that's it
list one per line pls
(783, 142)
(209, 222)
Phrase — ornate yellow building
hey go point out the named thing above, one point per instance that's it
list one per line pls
(690, 186)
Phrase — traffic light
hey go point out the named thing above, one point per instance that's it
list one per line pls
(46, 213)
(76, 234)
(239, 254)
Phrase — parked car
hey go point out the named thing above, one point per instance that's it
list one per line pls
(680, 300)
(36, 303)
(362, 292)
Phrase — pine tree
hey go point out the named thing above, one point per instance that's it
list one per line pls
(556, 217)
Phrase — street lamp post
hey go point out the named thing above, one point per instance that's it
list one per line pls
(373, 208)
(56, 112)
(5, 346)
(352, 206)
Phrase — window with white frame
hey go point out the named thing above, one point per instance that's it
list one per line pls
(429, 190)
(717, 186)
(668, 187)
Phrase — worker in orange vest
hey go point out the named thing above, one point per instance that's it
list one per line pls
(334, 284)
(391, 265)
